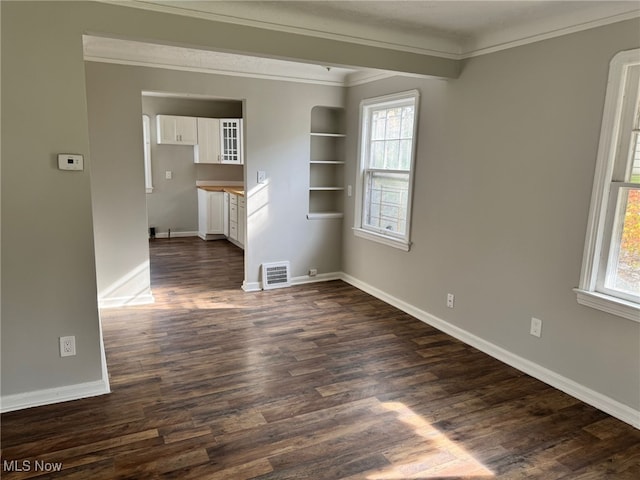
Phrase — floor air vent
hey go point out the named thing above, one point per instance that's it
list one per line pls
(275, 275)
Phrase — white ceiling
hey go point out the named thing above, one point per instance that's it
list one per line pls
(448, 28)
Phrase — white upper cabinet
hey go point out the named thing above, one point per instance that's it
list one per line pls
(176, 130)
(231, 141)
(208, 148)
(219, 141)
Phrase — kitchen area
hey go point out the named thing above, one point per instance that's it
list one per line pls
(194, 167)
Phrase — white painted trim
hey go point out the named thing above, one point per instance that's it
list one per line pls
(486, 46)
(609, 304)
(231, 73)
(251, 286)
(445, 51)
(321, 277)
(398, 243)
(301, 280)
(176, 234)
(115, 302)
(606, 404)
(19, 401)
(595, 235)
(455, 49)
(103, 358)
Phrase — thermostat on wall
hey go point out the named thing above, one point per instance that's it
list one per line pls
(69, 161)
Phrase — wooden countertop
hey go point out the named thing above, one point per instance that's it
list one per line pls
(223, 188)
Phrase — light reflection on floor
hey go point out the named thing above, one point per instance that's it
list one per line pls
(440, 457)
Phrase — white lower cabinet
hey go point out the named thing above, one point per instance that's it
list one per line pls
(220, 215)
(236, 219)
(241, 221)
(210, 214)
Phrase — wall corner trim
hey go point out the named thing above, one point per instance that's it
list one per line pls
(19, 401)
(602, 402)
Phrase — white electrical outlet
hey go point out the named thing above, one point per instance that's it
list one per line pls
(536, 327)
(67, 346)
(168, 175)
(450, 300)
(262, 176)
(313, 272)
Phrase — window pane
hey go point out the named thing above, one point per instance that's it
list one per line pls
(405, 155)
(377, 155)
(388, 196)
(407, 122)
(391, 152)
(623, 272)
(378, 124)
(394, 117)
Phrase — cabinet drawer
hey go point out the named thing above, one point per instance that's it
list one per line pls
(241, 201)
(233, 199)
(233, 213)
(233, 231)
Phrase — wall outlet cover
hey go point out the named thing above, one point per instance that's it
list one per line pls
(67, 346)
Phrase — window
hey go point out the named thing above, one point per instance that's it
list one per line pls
(146, 135)
(387, 150)
(610, 278)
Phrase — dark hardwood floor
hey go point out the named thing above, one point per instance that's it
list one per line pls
(319, 382)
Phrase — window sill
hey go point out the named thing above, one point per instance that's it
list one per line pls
(609, 304)
(385, 240)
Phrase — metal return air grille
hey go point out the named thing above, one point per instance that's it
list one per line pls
(275, 275)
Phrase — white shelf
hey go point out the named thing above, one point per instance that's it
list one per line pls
(324, 215)
(335, 135)
(326, 161)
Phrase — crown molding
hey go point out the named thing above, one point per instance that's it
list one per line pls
(440, 46)
(496, 42)
(108, 50)
(443, 46)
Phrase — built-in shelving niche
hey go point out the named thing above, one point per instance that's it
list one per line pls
(326, 163)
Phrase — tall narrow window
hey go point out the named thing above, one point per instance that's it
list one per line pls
(387, 152)
(146, 135)
(610, 277)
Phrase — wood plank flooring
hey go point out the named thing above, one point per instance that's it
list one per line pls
(319, 382)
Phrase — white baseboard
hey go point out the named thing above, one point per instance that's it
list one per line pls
(19, 401)
(301, 280)
(321, 277)
(145, 299)
(251, 286)
(176, 234)
(606, 404)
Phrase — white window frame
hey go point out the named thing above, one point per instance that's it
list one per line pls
(613, 153)
(360, 229)
(146, 136)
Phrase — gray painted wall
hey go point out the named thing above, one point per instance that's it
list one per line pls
(174, 203)
(277, 141)
(48, 253)
(506, 159)
(505, 164)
